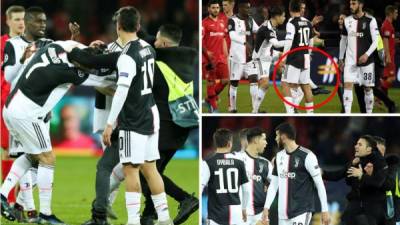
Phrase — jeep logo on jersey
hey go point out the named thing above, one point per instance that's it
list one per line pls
(290, 175)
(256, 178)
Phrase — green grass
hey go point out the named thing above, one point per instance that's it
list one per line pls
(74, 189)
(273, 104)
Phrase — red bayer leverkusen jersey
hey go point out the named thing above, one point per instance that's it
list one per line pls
(213, 36)
(5, 86)
(225, 18)
(387, 31)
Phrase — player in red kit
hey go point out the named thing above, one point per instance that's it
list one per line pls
(388, 33)
(215, 53)
(15, 22)
(227, 12)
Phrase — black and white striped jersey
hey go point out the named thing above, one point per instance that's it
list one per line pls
(299, 32)
(259, 172)
(103, 102)
(359, 36)
(266, 40)
(45, 80)
(223, 174)
(295, 172)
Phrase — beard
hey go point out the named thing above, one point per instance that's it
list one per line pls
(355, 11)
(280, 145)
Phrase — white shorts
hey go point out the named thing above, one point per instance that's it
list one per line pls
(31, 136)
(235, 216)
(137, 148)
(253, 219)
(303, 219)
(239, 70)
(363, 75)
(264, 68)
(295, 75)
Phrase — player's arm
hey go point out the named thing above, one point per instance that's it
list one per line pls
(92, 61)
(374, 36)
(95, 80)
(290, 31)
(378, 177)
(233, 34)
(245, 187)
(386, 33)
(205, 174)
(10, 66)
(271, 193)
(311, 164)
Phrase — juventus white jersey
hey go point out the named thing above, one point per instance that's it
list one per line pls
(266, 39)
(359, 36)
(103, 102)
(295, 173)
(259, 172)
(241, 33)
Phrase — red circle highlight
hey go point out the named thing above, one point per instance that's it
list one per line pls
(319, 105)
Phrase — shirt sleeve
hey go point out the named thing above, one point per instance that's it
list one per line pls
(9, 55)
(311, 164)
(275, 170)
(319, 184)
(290, 30)
(97, 81)
(117, 103)
(373, 26)
(342, 46)
(386, 31)
(205, 174)
(270, 169)
(242, 173)
(271, 193)
(126, 74)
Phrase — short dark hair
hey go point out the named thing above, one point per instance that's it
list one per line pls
(14, 9)
(172, 32)
(222, 137)
(254, 132)
(380, 140)
(212, 2)
(371, 142)
(243, 133)
(276, 10)
(359, 1)
(128, 18)
(287, 129)
(390, 9)
(31, 11)
(295, 5)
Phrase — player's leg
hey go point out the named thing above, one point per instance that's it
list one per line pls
(297, 94)
(305, 86)
(389, 76)
(116, 178)
(288, 82)
(155, 181)
(252, 72)
(350, 76)
(368, 81)
(263, 82)
(236, 72)
(211, 94)
(222, 75)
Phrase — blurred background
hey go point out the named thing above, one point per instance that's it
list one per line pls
(71, 124)
(332, 139)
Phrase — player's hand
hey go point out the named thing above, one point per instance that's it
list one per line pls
(107, 135)
(74, 28)
(265, 217)
(29, 51)
(355, 172)
(363, 59)
(325, 218)
(96, 43)
(356, 160)
(244, 214)
(369, 169)
(341, 65)
(316, 20)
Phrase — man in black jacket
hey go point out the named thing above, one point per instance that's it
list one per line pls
(367, 197)
(182, 61)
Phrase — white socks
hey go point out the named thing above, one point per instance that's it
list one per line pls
(289, 108)
(369, 100)
(25, 195)
(232, 97)
(347, 100)
(309, 104)
(45, 186)
(18, 169)
(297, 95)
(132, 201)
(260, 97)
(253, 94)
(117, 176)
(161, 206)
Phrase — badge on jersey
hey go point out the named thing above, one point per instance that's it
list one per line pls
(123, 74)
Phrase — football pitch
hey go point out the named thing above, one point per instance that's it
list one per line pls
(74, 191)
(273, 104)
